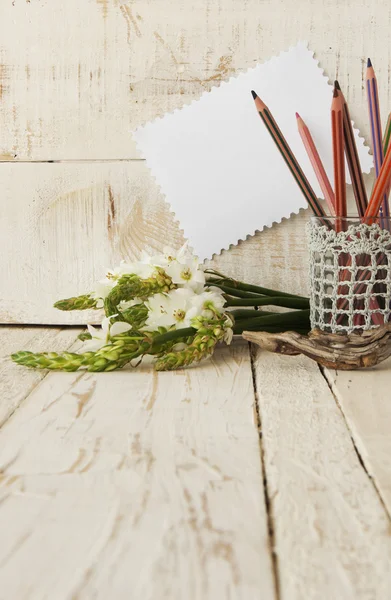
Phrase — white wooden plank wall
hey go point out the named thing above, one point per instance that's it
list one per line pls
(83, 74)
(63, 224)
(77, 77)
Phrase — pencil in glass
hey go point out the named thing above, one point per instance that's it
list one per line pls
(316, 163)
(376, 129)
(288, 156)
(387, 135)
(382, 184)
(352, 158)
(338, 158)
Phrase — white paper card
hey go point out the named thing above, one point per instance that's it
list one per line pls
(216, 163)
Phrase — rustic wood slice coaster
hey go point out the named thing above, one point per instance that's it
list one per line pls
(333, 350)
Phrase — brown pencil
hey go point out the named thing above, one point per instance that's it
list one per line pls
(353, 158)
(288, 156)
(338, 158)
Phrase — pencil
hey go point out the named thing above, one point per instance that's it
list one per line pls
(338, 158)
(288, 156)
(376, 130)
(381, 185)
(387, 135)
(353, 158)
(317, 164)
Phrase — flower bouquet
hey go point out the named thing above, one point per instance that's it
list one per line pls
(171, 308)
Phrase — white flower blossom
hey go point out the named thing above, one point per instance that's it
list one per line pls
(228, 335)
(102, 290)
(187, 273)
(168, 256)
(159, 260)
(125, 304)
(229, 332)
(207, 302)
(167, 310)
(104, 286)
(101, 337)
(183, 268)
(141, 268)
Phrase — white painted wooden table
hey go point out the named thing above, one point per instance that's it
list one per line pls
(249, 477)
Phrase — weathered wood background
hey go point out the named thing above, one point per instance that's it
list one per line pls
(252, 476)
(76, 78)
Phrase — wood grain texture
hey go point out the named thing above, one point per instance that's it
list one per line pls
(136, 485)
(364, 399)
(16, 383)
(332, 534)
(84, 74)
(64, 224)
(143, 485)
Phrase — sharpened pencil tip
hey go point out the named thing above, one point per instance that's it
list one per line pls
(298, 116)
(254, 95)
(369, 63)
(335, 93)
(336, 84)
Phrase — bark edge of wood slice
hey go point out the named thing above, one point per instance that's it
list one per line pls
(332, 350)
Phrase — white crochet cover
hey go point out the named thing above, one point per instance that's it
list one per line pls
(350, 277)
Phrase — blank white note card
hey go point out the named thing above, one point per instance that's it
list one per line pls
(216, 163)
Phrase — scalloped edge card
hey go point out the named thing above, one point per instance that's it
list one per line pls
(216, 163)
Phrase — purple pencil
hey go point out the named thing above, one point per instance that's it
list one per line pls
(376, 129)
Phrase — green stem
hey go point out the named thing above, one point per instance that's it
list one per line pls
(231, 291)
(263, 322)
(247, 313)
(175, 334)
(232, 283)
(288, 302)
(283, 320)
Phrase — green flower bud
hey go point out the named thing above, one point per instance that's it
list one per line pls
(115, 355)
(132, 286)
(77, 303)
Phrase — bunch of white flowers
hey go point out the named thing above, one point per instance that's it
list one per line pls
(187, 299)
(177, 308)
(182, 267)
(169, 307)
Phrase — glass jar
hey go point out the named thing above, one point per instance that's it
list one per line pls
(350, 273)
